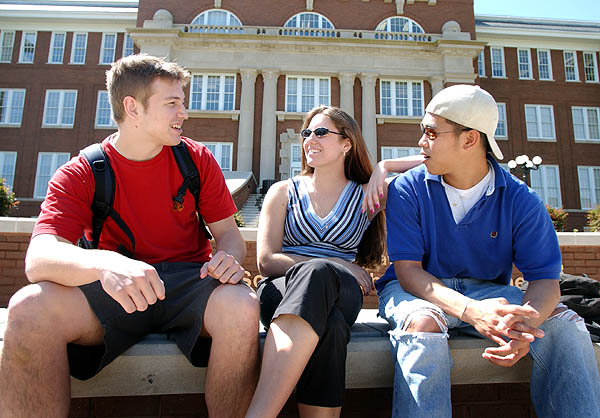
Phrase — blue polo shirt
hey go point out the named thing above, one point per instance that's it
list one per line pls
(510, 225)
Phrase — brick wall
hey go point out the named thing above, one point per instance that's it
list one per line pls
(577, 259)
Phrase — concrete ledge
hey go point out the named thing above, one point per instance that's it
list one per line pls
(155, 366)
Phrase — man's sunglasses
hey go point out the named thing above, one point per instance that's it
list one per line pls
(319, 132)
(432, 134)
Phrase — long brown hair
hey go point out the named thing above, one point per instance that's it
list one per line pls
(358, 168)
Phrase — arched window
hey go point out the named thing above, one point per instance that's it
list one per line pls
(309, 20)
(216, 17)
(399, 24)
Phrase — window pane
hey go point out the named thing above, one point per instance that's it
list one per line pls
(324, 91)
(570, 72)
(212, 93)
(226, 157)
(547, 122)
(196, 99)
(8, 39)
(481, 64)
(592, 117)
(79, 48)
(589, 64)
(108, 48)
(51, 111)
(524, 67)
(103, 110)
(29, 39)
(417, 99)
(578, 123)
(308, 94)
(497, 62)
(386, 98)
(501, 128)
(402, 98)
(531, 120)
(544, 65)
(128, 46)
(292, 88)
(68, 109)
(7, 167)
(16, 108)
(585, 189)
(58, 48)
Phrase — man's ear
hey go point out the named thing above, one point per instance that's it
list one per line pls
(132, 107)
(472, 139)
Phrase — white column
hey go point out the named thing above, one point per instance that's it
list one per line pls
(267, 135)
(347, 92)
(437, 85)
(369, 121)
(246, 125)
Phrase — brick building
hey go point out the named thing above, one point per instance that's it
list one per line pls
(258, 65)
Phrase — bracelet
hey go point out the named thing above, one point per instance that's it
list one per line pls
(465, 309)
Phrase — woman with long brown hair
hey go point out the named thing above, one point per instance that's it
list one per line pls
(314, 243)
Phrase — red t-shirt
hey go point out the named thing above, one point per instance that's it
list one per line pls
(143, 198)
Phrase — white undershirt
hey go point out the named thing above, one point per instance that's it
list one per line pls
(461, 201)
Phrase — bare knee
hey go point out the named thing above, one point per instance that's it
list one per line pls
(420, 322)
(232, 307)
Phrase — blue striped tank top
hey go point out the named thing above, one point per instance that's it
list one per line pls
(336, 235)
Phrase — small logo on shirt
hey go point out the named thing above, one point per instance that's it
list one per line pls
(177, 207)
(494, 234)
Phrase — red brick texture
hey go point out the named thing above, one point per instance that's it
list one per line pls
(576, 260)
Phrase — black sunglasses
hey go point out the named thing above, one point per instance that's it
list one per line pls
(319, 132)
(432, 134)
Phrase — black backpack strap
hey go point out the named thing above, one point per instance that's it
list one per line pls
(104, 196)
(191, 182)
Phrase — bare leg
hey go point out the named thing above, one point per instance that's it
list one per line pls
(231, 319)
(34, 372)
(290, 343)
(310, 411)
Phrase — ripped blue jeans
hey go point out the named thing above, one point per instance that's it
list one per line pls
(564, 377)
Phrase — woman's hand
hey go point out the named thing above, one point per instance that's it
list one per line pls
(376, 189)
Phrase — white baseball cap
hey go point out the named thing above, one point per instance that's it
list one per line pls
(470, 106)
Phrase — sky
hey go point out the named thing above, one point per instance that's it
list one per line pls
(588, 10)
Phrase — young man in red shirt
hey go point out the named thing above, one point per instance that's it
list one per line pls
(86, 306)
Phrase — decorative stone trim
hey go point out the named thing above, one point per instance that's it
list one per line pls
(286, 139)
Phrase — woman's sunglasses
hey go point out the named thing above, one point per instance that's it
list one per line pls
(319, 132)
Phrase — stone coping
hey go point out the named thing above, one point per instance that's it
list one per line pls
(25, 225)
(155, 366)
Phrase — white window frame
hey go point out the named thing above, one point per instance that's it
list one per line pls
(204, 80)
(41, 186)
(295, 163)
(230, 20)
(5, 119)
(593, 187)
(8, 161)
(524, 67)
(219, 151)
(297, 22)
(501, 62)
(574, 66)
(481, 64)
(73, 48)
(548, 54)
(54, 47)
(22, 51)
(388, 25)
(126, 40)
(542, 189)
(501, 120)
(296, 104)
(398, 152)
(7, 50)
(104, 48)
(103, 99)
(587, 123)
(539, 136)
(591, 70)
(61, 109)
(410, 89)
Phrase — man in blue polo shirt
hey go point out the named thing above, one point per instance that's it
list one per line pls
(455, 226)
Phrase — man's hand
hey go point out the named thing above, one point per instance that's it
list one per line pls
(224, 268)
(495, 318)
(507, 354)
(133, 284)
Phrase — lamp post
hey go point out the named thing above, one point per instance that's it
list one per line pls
(525, 165)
